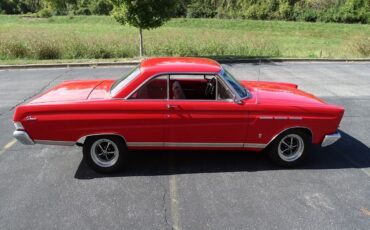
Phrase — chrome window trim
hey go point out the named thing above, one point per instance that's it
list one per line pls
(216, 74)
(143, 84)
(249, 95)
(140, 72)
(226, 86)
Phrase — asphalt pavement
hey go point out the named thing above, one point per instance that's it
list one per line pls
(50, 187)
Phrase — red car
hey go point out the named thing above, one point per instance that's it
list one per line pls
(178, 103)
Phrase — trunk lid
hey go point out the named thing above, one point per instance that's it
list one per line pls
(74, 91)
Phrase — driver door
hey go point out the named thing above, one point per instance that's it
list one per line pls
(202, 117)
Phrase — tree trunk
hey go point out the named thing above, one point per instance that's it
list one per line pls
(141, 43)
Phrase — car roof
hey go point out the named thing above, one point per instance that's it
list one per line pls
(180, 65)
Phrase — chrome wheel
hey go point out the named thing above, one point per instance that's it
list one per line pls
(291, 147)
(104, 152)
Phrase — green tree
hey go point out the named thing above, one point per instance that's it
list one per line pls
(60, 7)
(143, 14)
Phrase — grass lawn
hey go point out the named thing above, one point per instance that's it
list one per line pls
(24, 39)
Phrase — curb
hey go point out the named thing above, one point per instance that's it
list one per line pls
(267, 60)
(69, 65)
(223, 61)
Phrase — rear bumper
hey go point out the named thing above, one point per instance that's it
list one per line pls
(330, 139)
(23, 137)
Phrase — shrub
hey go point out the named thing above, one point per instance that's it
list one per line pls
(14, 49)
(44, 13)
(82, 11)
(101, 7)
(202, 9)
(285, 11)
(360, 45)
(47, 50)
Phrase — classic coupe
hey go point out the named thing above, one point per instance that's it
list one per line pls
(178, 103)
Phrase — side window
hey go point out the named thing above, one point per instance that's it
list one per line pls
(223, 93)
(193, 87)
(156, 88)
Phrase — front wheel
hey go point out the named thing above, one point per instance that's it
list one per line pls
(105, 154)
(290, 148)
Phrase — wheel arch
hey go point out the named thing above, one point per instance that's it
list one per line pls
(307, 130)
(81, 140)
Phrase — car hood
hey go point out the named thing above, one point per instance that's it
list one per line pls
(280, 92)
(75, 91)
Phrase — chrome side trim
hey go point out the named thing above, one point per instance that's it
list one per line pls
(266, 118)
(254, 145)
(49, 142)
(145, 144)
(82, 139)
(22, 136)
(280, 118)
(330, 139)
(196, 144)
(295, 118)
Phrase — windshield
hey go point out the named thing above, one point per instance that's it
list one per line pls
(234, 83)
(123, 81)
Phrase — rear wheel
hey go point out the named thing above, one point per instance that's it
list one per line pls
(105, 154)
(290, 148)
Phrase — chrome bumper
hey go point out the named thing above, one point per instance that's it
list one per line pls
(330, 139)
(23, 137)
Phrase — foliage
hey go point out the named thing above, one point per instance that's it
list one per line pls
(19, 6)
(91, 37)
(101, 7)
(345, 11)
(342, 11)
(144, 14)
(82, 11)
(360, 45)
(44, 13)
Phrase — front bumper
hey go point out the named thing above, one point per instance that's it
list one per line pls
(23, 137)
(330, 139)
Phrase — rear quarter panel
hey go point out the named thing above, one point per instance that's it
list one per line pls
(137, 121)
(267, 121)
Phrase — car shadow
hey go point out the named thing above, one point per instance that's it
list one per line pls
(348, 152)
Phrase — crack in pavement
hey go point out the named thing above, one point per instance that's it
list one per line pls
(164, 207)
(37, 92)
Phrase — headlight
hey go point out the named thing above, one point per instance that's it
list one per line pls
(18, 126)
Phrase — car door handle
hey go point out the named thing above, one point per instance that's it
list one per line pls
(171, 106)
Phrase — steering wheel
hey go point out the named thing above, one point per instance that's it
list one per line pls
(210, 88)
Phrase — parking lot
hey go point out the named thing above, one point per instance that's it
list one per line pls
(50, 187)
